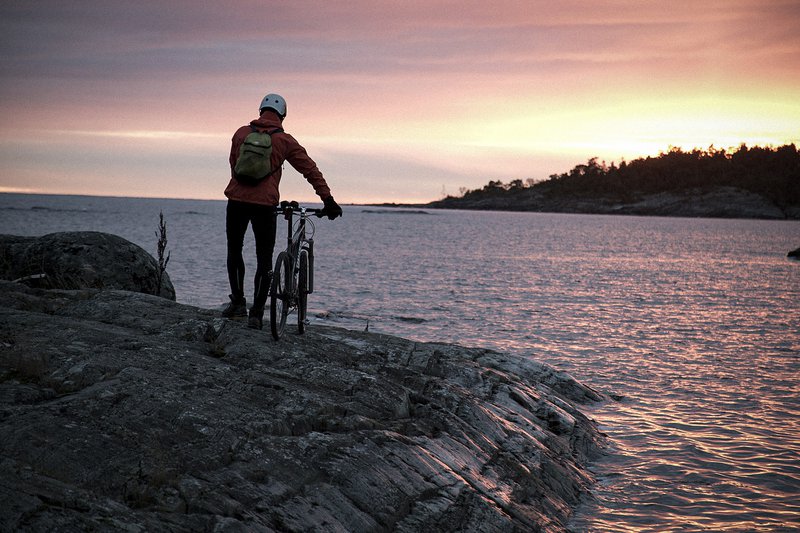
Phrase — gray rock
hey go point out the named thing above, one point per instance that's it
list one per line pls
(121, 411)
(81, 259)
(716, 202)
(712, 202)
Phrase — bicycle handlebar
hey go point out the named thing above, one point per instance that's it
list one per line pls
(287, 208)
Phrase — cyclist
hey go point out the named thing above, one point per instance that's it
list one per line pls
(255, 205)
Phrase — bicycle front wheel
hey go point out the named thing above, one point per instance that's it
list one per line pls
(302, 291)
(280, 295)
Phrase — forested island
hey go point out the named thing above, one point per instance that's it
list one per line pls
(757, 182)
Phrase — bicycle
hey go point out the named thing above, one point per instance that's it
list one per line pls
(293, 276)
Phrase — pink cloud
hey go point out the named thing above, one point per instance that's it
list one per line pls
(377, 69)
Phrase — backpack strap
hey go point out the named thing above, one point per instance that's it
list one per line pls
(276, 130)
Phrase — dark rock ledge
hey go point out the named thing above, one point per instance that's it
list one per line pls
(122, 411)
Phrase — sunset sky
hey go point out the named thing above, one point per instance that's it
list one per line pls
(396, 101)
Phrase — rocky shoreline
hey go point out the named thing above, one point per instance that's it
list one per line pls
(713, 202)
(126, 411)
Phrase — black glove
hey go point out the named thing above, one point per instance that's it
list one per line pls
(331, 209)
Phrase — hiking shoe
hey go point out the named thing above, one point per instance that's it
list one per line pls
(256, 319)
(236, 309)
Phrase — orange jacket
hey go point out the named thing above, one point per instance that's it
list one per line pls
(284, 148)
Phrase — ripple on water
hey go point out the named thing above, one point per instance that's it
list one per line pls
(694, 323)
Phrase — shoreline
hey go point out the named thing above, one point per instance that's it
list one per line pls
(720, 202)
(121, 409)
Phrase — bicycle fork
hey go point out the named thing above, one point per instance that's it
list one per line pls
(310, 273)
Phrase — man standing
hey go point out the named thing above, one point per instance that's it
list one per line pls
(254, 203)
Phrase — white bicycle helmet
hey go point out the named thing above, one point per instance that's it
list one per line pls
(274, 102)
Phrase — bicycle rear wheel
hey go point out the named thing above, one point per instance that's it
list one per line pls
(302, 291)
(280, 295)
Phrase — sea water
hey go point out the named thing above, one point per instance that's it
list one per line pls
(691, 326)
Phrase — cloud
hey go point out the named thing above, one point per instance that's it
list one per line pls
(490, 85)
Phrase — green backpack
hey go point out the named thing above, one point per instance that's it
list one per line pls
(253, 163)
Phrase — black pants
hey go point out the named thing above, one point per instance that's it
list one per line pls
(262, 218)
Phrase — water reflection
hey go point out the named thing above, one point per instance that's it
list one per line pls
(694, 324)
(699, 337)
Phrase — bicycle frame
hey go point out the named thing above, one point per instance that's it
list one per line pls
(296, 237)
(293, 278)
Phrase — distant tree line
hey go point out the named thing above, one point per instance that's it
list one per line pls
(771, 172)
